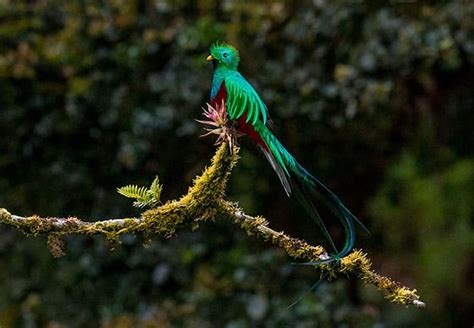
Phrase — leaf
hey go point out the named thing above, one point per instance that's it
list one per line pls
(133, 191)
(143, 196)
(143, 203)
(155, 189)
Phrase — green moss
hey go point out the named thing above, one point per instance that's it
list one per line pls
(299, 249)
(5, 216)
(252, 226)
(201, 203)
(355, 261)
(205, 201)
(403, 296)
(34, 225)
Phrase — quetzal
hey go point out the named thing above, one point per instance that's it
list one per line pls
(245, 107)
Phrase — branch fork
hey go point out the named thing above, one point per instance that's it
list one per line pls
(203, 202)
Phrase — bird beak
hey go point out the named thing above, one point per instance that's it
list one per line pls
(209, 58)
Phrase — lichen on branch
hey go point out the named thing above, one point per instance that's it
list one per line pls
(205, 201)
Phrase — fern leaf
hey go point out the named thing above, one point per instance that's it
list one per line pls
(155, 189)
(143, 196)
(133, 191)
(143, 204)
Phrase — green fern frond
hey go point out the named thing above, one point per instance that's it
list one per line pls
(143, 204)
(133, 191)
(144, 197)
(155, 189)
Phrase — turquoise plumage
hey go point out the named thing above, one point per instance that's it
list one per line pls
(246, 108)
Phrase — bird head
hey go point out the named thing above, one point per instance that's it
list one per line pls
(223, 54)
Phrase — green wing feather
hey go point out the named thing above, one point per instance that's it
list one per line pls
(242, 98)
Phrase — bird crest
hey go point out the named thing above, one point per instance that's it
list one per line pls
(222, 44)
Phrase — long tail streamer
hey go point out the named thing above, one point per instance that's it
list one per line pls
(309, 191)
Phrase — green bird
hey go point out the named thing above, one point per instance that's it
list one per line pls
(245, 107)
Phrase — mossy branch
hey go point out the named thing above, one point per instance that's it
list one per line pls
(205, 201)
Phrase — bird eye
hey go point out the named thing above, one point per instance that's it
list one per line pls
(224, 54)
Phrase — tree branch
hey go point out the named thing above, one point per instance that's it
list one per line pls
(203, 202)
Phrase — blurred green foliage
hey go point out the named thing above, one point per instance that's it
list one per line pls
(374, 97)
(438, 209)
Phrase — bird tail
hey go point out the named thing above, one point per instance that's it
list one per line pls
(309, 191)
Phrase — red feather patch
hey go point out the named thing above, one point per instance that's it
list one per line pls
(242, 126)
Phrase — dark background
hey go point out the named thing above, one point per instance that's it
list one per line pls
(375, 98)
